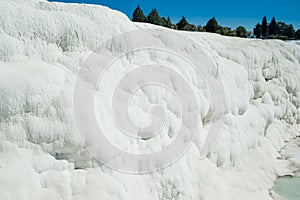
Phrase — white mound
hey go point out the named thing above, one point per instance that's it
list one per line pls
(42, 47)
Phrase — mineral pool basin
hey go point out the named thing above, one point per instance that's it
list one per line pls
(288, 187)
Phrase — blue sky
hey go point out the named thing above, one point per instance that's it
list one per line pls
(230, 13)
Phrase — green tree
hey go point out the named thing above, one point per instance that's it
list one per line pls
(163, 21)
(257, 30)
(138, 15)
(273, 27)
(225, 31)
(289, 32)
(264, 27)
(221, 30)
(200, 28)
(154, 18)
(281, 26)
(191, 27)
(212, 25)
(183, 24)
(297, 34)
(169, 23)
(241, 31)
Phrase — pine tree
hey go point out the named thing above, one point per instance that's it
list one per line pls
(297, 34)
(273, 27)
(257, 30)
(138, 15)
(211, 25)
(169, 23)
(153, 17)
(264, 27)
(183, 24)
(163, 22)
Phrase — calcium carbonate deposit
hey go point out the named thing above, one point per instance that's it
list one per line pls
(229, 137)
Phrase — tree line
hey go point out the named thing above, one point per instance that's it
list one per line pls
(274, 30)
